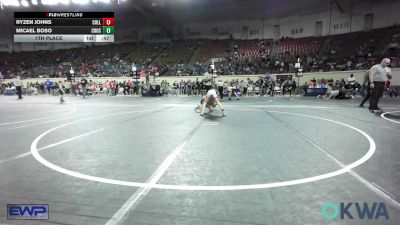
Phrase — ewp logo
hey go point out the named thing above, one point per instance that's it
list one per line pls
(331, 211)
(27, 212)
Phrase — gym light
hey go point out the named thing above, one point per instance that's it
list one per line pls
(10, 2)
(81, 2)
(24, 3)
(49, 2)
(27, 3)
(65, 2)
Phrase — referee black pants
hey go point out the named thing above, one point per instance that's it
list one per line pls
(221, 92)
(19, 91)
(377, 93)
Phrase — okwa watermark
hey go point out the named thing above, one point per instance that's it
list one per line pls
(355, 210)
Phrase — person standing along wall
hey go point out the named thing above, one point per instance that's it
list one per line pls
(84, 84)
(366, 89)
(48, 84)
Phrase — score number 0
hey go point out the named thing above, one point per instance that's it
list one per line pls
(108, 21)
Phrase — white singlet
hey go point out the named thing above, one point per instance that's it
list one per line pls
(211, 93)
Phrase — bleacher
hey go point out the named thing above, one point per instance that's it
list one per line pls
(356, 43)
(361, 48)
(146, 53)
(393, 48)
(251, 49)
(212, 49)
(110, 52)
(289, 48)
(179, 51)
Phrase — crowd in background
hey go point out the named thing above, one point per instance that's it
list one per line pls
(265, 85)
(351, 51)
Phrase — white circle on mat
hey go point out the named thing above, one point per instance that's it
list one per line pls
(340, 171)
(383, 115)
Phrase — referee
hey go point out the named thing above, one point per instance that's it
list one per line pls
(208, 79)
(18, 85)
(378, 75)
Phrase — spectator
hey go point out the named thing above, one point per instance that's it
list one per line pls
(67, 85)
(351, 80)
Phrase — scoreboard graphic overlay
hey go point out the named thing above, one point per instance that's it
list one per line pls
(64, 26)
